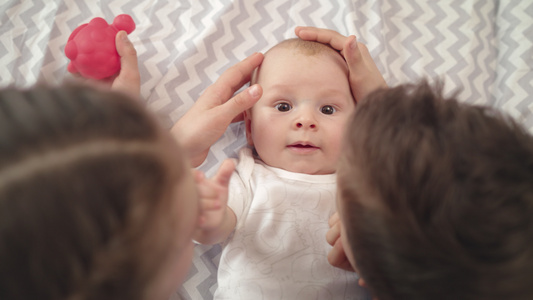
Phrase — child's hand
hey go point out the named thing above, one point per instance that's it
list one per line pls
(129, 78)
(364, 74)
(336, 256)
(216, 219)
(216, 108)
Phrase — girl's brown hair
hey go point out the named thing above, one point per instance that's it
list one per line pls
(84, 182)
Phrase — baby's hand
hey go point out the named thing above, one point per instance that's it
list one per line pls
(213, 196)
(336, 256)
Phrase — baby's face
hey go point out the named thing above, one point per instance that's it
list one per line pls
(298, 123)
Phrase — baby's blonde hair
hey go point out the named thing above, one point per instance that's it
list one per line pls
(307, 48)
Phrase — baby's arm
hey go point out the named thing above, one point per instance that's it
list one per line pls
(217, 220)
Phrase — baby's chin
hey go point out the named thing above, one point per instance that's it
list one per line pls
(306, 169)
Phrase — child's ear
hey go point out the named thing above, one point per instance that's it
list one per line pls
(248, 125)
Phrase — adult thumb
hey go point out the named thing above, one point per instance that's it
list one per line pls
(129, 79)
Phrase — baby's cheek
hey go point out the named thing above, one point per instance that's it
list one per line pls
(336, 143)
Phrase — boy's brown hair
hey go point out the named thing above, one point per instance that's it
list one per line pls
(85, 189)
(437, 197)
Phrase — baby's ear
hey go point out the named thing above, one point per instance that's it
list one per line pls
(248, 124)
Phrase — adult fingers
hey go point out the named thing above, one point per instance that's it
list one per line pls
(234, 108)
(325, 36)
(365, 76)
(230, 81)
(129, 79)
(352, 53)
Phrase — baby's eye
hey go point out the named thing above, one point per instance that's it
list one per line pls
(328, 109)
(283, 106)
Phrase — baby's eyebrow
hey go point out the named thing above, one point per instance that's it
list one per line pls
(281, 87)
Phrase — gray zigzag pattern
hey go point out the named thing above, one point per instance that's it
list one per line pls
(393, 31)
(376, 31)
(526, 82)
(235, 33)
(52, 69)
(490, 61)
(162, 66)
(34, 69)
(437, 38)
(478, 71)
(283, 11)
(505, 64)
(155, 27)
(180, 59)
(7, 27)
(410, 40)
(462, 40)
(22, 55)
(329, 15)
(308, 10)
(261, 23)
(209, 258)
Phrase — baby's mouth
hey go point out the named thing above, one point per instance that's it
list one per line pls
(303, 146)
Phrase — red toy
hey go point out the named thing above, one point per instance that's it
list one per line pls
(91, 47)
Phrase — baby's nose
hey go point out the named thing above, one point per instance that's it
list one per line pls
(304, 124)
(306, 120)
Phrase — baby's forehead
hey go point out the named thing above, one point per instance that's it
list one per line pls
(304, 47)
(300, 48)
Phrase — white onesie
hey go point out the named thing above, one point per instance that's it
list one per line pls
(279, 248)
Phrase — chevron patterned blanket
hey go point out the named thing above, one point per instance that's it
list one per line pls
(483, 49)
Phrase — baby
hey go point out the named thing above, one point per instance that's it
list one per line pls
(283, 191)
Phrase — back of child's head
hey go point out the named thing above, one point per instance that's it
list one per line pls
(84, 184)
(437, 197)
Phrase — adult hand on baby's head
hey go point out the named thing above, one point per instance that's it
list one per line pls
(337, 256)
(364, 74)
(212, 113)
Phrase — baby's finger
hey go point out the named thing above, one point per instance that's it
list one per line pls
(209, 204)
(334, 219)
(224, 173)
(206, 190)
(337, 257)
(198, 175)
(333, 234)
